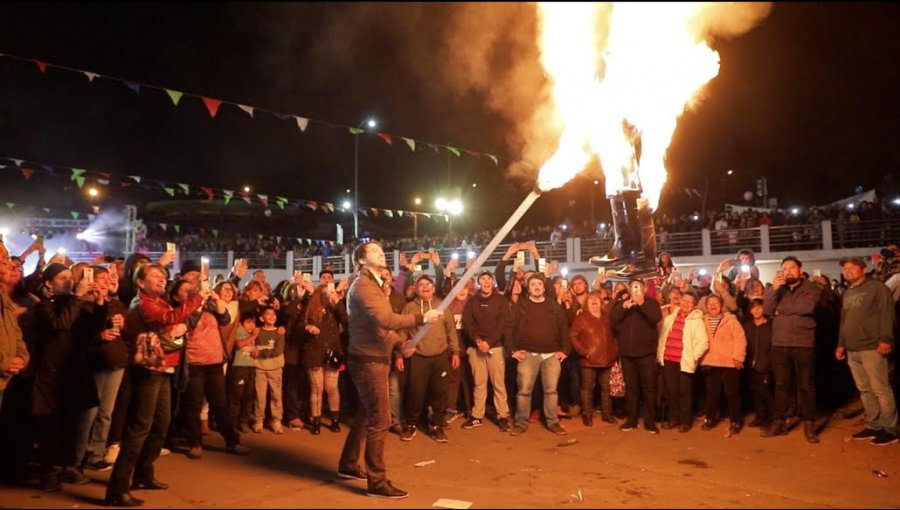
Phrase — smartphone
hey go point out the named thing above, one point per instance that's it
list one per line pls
(564, 283)
(520, 258)
(418, 267)
(331, 288)
(702, 272)
(60, 251)
(171, 247)
(204, 266)
(542, 265)
(88, 275)
(297, 273)
(455, 256)
(817, 273)
(39, 238)
(307, 277)
(470, 254)
(779, 274)
(745, 268)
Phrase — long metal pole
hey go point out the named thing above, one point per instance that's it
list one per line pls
(491, 246)
(356, 186)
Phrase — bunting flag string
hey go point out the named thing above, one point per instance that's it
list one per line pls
(212, 106)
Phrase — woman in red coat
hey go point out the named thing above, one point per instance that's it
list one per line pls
(592, 338)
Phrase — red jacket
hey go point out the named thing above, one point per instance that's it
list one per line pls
(593, 340)
(150, 314)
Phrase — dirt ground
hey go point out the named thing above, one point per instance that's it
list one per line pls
(610, 468)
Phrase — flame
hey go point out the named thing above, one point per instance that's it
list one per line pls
(654, 64)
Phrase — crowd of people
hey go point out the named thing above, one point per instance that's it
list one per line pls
(107, 366)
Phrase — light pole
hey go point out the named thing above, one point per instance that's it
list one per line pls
(593, 193)
(371, 123)
(418, 202)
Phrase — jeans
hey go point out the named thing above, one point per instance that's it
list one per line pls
(93, 429)
(371, 423)
(870, 371)
(396, 389)
(459, 378)
(795, 363)
(208, 381)
(527, 373)
(640, 373)
(145, 431)
(120, 409)
(484, 368)
(590, 376)
(427, 386)
(729, 378)
(679, 392)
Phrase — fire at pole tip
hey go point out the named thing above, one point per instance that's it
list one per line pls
(479, 262)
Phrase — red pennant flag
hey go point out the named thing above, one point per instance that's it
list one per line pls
(125, 184)
(207, 191)
(387, 139)
(472, 153)
(212, 105)
(105, 175)
(27, 172)
(42, 66)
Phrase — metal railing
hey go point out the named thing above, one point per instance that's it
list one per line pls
(680, 244)
(731, 240)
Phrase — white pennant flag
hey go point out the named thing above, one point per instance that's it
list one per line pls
(90, 75)
(493, 158)
(302, 122)
(411, 143)
(248, 109)
(18, 162)
(164, 226)
(136, 178)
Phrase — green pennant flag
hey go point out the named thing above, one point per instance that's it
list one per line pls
(10, 205)
(79, 181)
(355, 131)
(215, 233)
(280, 203)
(185, 187)
(170, 191)
(76, 173)
(175, 96)
(74, 214)
(454, 150)
(226, 198)
(177, 228)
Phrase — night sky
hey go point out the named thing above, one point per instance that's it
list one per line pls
(808, 98)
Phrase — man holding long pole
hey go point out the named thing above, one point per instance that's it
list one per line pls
(373, 327)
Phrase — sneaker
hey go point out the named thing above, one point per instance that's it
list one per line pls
(517, 430)
(866, 433)
(451, 415)
(195, 452)
(73, 476)
(471, 423)
(558, 430)
(237, 449)
(409, 432)
(385, 489)
(437, 433)
(296, 424)
(112, 453)
(352, 474)
(651, 428)
(100, 466)
(884, 438)
(257, 428)
(535, 416)
(50, 482)
(164, 451)
(396, 429)
(277, 428)
(627, 426)
(504, 424)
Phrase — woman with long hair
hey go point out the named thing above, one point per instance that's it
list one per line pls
(322, 354)
(592, 338)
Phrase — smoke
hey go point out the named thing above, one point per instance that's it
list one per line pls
(730, 19)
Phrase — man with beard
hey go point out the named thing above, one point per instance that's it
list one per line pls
(792, 302)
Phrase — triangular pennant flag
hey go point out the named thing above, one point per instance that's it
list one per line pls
(472, 153)
(280, 199)
(374, 212)
(400, 214)
(454, 150)
(247, 199)
(170, 191)
(79, 181)
(177, 228)
(389, 213)
(433, 146)
(174, 95)
(411, 143)
(136, 178)
(312, 205)
(427, 215)
(212, 105)
(27, 172)
(105, 175)
(74, 214)
(10, 205)
(493, 158)
(227, 194)
(76, 173)
(248, 109)
(104, 182)
(280, 204)
(264, 199)
(207, 191)
(688, 193)
(136, 88)
(215, 232)
(302, 123)
(18, 162)
(355, 131)
(42, 66)
(46, 209)
(90, 75)
(387, 139)
(125, 184)
(364, 212)
(165, 226)
(185, 187)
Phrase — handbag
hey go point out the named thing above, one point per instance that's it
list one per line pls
(616, 380)
(333, 359)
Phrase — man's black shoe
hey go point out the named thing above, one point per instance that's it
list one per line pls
(125, 499)
(150, 485)
(352, 474)
(385, 489)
